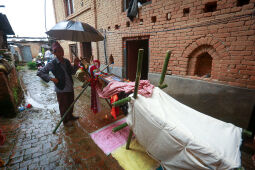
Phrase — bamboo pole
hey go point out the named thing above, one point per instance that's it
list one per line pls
(246, 133)
(129, 138)
(162, 86)
(116, 129)
(162, 77)
(121, 102)
(127, 99)
(84, 88)
(137, 80)
(109, 104)
(138, 71)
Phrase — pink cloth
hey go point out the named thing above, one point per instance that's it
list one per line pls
(145, 88)
(108, 140)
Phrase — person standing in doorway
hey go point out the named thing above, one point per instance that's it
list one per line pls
(63, 71)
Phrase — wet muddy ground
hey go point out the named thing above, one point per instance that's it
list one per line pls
(30, 143)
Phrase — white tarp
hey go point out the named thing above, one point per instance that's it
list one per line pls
(181, 137)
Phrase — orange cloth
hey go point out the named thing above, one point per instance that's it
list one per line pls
(115, 110)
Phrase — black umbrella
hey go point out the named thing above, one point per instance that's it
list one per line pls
(75, 31)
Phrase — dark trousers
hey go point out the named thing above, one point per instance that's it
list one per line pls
(65, 99)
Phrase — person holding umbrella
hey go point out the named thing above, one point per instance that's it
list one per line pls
(63, 71)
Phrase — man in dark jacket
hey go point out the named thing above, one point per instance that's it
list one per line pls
(63, 71)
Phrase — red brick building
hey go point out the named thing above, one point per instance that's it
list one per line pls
(212, 65)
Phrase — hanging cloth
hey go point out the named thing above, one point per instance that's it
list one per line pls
(132, 9)
(95, 105)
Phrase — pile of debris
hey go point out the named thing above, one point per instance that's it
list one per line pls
(10, 90)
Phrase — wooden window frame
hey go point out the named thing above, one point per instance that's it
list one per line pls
(69, 9)
(126, 3)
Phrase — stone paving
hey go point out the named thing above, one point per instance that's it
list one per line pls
(37, 148)
(30, 143)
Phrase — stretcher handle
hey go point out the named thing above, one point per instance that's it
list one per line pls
(246, 133)
(162, 77)
(137, 80)
(127, 99)
(138, 71)
(121, 102)
(116, 129)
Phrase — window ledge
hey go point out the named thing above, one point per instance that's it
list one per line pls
(73, 15)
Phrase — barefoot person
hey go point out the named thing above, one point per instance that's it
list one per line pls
(62, 71)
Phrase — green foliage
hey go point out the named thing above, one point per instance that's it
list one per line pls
(43, 51)
(31, 65)
(15, 94)
(18, 68)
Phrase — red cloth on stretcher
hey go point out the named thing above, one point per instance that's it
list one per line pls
(145, 88)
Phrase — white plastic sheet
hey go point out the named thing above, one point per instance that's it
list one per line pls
(181, 137)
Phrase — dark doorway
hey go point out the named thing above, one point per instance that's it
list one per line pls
(132, 47)
(87, 51)
(73, 52)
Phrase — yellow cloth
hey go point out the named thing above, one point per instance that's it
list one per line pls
(3, 68)
(134, 159)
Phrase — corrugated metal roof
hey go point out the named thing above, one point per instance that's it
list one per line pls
(5, 25)
(27, 39)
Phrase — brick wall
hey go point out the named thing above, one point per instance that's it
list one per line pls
(35, 47)
(227, 35)
(60, 12)
(83, 12)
